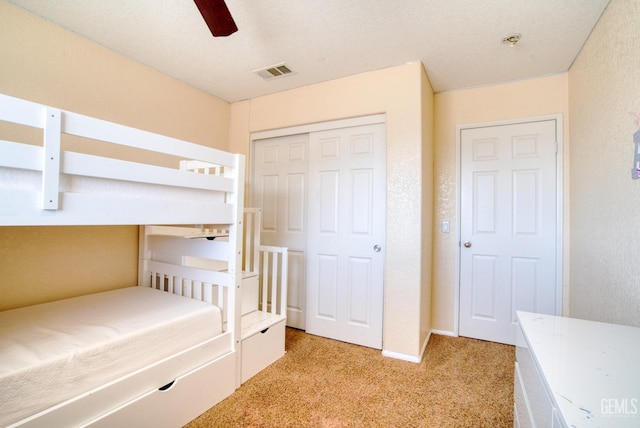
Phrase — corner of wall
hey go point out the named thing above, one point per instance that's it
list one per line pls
(427, 130)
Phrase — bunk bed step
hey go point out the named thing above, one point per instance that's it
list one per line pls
(250, 288)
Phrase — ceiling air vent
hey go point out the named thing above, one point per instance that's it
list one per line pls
(274, 71)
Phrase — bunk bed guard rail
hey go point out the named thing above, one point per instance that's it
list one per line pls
(43, 184)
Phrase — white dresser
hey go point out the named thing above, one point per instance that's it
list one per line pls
(576, 373)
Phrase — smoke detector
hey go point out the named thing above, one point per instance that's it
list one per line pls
(274, 71)
(512, 39)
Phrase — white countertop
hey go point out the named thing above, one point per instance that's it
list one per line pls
(591, 368)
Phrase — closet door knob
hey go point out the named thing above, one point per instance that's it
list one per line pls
(467, 244)
(377, 248)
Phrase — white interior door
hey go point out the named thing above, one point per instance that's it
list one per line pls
(508, 227)
(279, 187)
(345, 240)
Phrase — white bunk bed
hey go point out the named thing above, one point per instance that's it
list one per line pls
(165, 385)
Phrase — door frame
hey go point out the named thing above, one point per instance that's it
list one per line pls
(318, 126)
(559, 205)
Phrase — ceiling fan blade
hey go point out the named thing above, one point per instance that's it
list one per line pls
(217, 16)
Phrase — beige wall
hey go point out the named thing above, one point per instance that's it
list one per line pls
(239, 135)
(397, 92)
(604, 87)
(44, 63)
(529, 98)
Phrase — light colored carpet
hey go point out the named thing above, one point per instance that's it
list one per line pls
(324, 383)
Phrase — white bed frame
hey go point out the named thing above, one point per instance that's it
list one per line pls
(46, 185)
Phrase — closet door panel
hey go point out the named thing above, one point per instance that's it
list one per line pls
(279, 187)
(346, 218)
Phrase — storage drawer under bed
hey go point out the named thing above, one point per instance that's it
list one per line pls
(262, 349)
(188, 397)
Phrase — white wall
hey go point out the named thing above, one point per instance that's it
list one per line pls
(604, 87)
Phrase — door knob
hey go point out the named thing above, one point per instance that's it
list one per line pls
(467, 244)
(377, 248)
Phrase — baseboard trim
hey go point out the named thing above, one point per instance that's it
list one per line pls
(400, 356)
(444, 333)
(407, 357)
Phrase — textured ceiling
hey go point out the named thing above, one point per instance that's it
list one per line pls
(458, 41)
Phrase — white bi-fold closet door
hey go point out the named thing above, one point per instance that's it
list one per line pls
(323, 196)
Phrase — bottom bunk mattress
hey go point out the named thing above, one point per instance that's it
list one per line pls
(55, 351)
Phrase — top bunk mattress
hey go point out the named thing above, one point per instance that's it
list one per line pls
(52, 352)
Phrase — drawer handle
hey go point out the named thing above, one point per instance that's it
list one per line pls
(265, 330)
(167, 386)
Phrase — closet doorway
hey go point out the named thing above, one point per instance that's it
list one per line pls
(323, 195)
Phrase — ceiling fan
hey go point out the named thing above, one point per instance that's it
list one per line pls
(217, 16)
